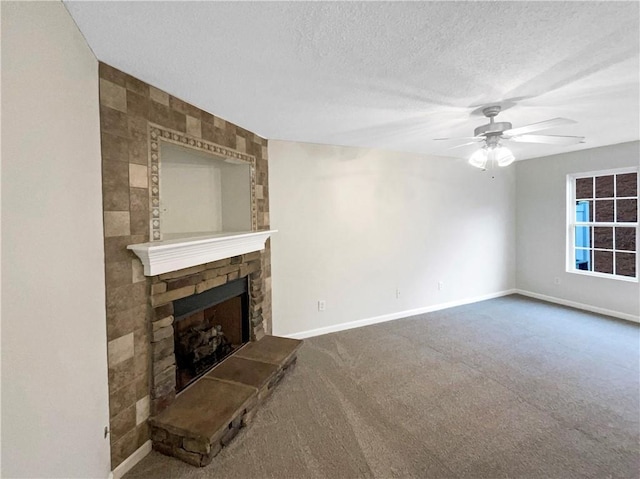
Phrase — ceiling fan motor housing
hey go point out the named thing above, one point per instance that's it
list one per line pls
(492, 128)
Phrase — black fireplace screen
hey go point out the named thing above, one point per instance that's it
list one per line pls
(208, 327)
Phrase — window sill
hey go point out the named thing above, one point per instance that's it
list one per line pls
(627, 279)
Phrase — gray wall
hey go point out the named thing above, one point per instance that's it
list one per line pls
(356, 224)
(541, 230)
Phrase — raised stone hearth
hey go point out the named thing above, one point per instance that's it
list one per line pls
(208, 415)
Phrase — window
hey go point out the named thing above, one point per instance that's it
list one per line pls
(603, 224)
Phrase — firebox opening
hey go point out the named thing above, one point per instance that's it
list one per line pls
(208, 327)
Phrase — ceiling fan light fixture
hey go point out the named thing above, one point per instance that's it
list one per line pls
(503, 156)
(479, 158)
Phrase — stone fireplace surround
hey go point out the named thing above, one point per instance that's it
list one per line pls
(138, 307)
(169, 287)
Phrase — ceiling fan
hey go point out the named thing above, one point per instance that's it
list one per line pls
(495, 133)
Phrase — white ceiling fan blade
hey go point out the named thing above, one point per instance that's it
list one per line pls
(548, 139)
(464, 144)
(474, 138)
(543, 125)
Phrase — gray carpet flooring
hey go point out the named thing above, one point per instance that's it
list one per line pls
(510, 387)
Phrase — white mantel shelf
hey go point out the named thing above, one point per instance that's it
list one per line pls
(171, 255)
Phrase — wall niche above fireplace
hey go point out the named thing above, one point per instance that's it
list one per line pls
(199, 188)
(201, 194)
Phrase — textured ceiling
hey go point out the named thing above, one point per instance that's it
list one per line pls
(384, 74)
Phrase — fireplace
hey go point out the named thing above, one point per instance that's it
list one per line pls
(199, 315)
(208, 327)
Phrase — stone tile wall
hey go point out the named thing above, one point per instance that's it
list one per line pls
(127, 106)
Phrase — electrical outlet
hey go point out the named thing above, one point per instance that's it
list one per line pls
(397, 293)
(440, 285)
(322, 305)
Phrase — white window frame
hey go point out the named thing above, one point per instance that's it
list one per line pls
(572, 223)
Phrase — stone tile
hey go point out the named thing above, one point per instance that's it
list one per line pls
(122, 399)
(159, 113)
(165, 363)
(158, 96)
(115, 198)
(205, 116)
(158, 288)
(118, 273)
(195, 112)
(112, 74)
(137, 105)
(115, 175)
(142, 409)
(124, 322)
(241, 144)
(181, 282)
(121, 374)
(123, 447)
(204, 409)
(177, 104)
(138, 128)
(123, 298)
(162, 312)
(137, 271)
(207, 131)
(162, 333)
(244, 371)
(116, 223)
(219, 123)
(162, 323)
(138, 151)
(139, 223)
(114, 148)
(142, 433)
(122, 423)
(139, 200)
(194, 127)
(210, 284)
(162, 349)
(138, 176)
(182, 272)
(270, 349)
(112, 95)
(120, 349)
(163, 298)
(115, 248)
(137, 86)
(142, 386)
(113, 122)
(178, 121)
(224, 137)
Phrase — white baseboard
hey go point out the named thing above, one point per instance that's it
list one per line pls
(126, 465)
(574, 304)
(391, 316)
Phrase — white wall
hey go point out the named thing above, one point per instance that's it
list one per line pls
(355, 224)
(236, 197)
(202, 193)
(541, 229)
(190, 191)
(54, 358)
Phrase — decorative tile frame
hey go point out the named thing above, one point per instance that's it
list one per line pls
(156, 135)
